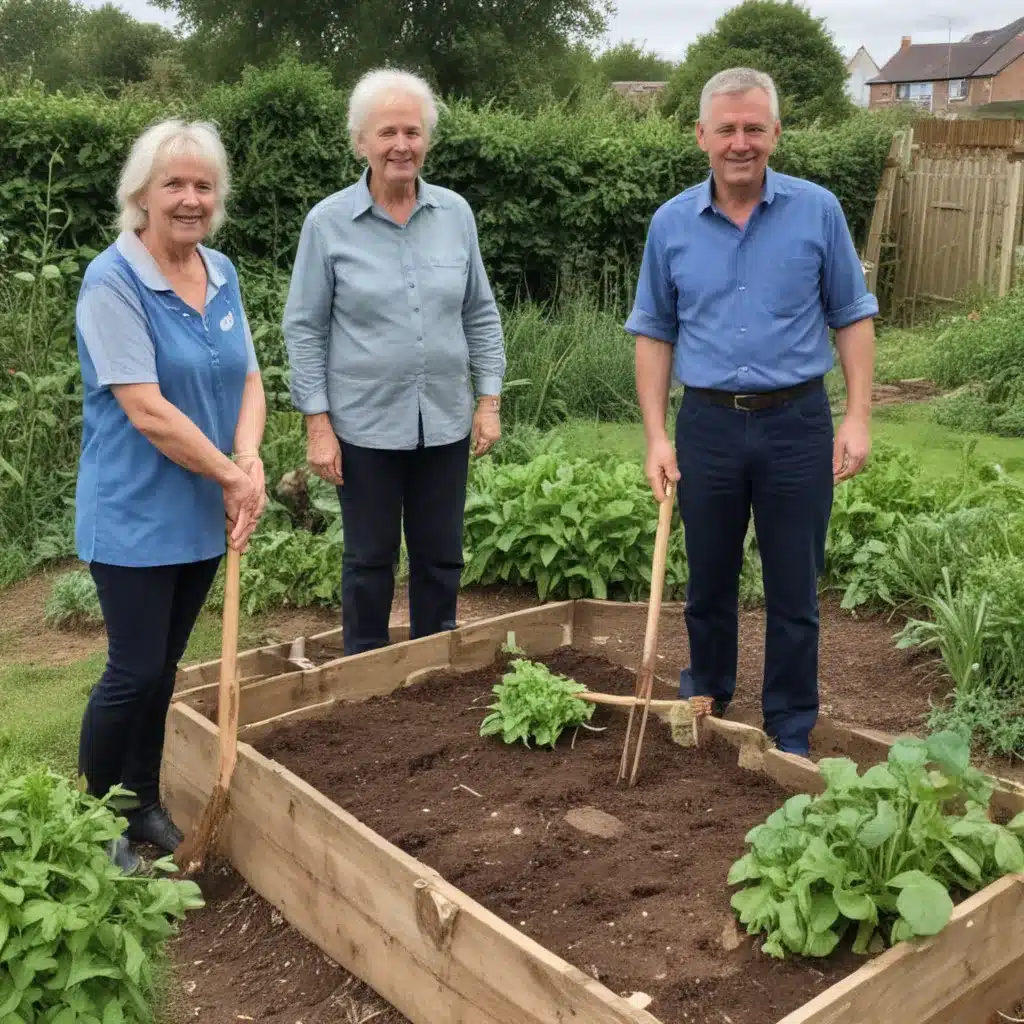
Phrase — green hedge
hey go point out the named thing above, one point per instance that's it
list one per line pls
(563, 192)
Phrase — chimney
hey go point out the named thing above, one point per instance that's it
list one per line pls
(905, 42)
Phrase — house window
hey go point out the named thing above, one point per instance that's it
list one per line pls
(958, 89)
(915, 92)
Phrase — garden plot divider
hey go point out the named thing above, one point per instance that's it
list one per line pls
(439, 956)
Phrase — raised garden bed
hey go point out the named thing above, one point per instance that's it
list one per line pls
(369, 796)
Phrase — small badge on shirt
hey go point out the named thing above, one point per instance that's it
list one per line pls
(228, 321)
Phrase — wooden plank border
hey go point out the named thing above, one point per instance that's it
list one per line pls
(436, 954)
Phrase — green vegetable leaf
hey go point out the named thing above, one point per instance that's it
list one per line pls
(923, 902)
(879, 829)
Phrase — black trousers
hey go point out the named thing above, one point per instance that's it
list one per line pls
(426, 488)
(149, 614)
(776, 463)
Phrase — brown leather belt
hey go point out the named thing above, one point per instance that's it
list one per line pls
(753, 401)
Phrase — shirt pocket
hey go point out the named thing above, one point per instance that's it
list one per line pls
(446, 277)
(790, 284)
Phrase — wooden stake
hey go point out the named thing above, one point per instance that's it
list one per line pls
(645, 677)
(191, 854)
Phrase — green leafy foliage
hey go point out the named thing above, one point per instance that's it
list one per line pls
(571, 527)
(78, 939)
(781, 38)
(73, 601)
(535, 703)
(879, 852)
(565, 191)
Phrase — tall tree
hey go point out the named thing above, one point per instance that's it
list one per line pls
(781, 37)
(631, 62)
(471, 48)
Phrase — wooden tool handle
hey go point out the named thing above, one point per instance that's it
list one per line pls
(645, 677)
(227, 705)
(658, 578)
(653, 616)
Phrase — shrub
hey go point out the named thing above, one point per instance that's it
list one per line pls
(79, 941)
(73, 601)
(564, 191)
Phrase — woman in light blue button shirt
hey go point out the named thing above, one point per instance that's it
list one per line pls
(397, 360)
(172, 391)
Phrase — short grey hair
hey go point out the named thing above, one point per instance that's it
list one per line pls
(377, 85)
(154, 147)
(738, 80)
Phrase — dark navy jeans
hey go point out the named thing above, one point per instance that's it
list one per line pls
(777, 464)
(149, 614)
(426, 488)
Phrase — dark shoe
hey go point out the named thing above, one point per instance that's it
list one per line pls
(154, 826)
(123, 856)
(719, 708)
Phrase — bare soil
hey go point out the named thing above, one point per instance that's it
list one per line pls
(645, 910)
(255, 956)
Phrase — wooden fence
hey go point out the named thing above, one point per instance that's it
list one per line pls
(948, 216)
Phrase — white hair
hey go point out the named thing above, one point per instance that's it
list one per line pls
(154, 147)
(376, 86)
(738, 80)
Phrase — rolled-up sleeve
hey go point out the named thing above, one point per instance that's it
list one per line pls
(846, 295)
(654, 313)
(307, 320)
(115, 331)
(481, 321)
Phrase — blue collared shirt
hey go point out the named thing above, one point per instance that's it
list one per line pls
(133, 505)
(385, 323)
(750, 309)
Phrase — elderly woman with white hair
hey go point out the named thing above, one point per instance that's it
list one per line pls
(169, 471)
(397, 360)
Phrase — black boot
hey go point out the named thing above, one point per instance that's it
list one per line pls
(124, 856)
(154, 825)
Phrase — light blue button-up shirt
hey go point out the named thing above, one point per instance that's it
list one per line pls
(133, 505)
(386, 323)
(750, 309)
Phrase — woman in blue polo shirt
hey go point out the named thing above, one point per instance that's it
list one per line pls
(174, 412)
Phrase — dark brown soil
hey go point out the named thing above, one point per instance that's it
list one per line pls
(647, 911)
(237, 959)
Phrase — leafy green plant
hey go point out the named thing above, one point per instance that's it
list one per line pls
(73, 601)
(879, 852)
(80, 942)
(578, 528)
(533, 702)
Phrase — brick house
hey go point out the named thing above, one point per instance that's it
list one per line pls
(986, 67)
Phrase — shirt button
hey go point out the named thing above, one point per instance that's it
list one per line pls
(743, 287)
(744, 369)
(743, 330)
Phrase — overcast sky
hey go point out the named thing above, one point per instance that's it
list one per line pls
(668, 26)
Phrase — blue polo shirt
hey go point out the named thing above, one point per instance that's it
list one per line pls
(133, 505)
(750, 309)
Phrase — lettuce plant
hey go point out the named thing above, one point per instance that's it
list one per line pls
(78, 938)
(534, 702)
(880, 852)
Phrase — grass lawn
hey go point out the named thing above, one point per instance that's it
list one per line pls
(42, 705)
(909, 425)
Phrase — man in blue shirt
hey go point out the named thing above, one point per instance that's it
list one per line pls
(742, 278)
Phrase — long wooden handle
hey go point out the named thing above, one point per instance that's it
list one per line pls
(661, 538)
(227, 706)
(653, 616)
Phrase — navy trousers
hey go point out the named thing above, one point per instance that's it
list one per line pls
(149, 614)
(425, 487)
(777, 464)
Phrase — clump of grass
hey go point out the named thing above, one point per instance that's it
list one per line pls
(73, 602)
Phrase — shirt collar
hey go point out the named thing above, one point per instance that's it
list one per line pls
(140, 259)
(707, 198)
(425, 195)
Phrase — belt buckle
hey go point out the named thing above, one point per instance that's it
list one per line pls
(737, 399)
